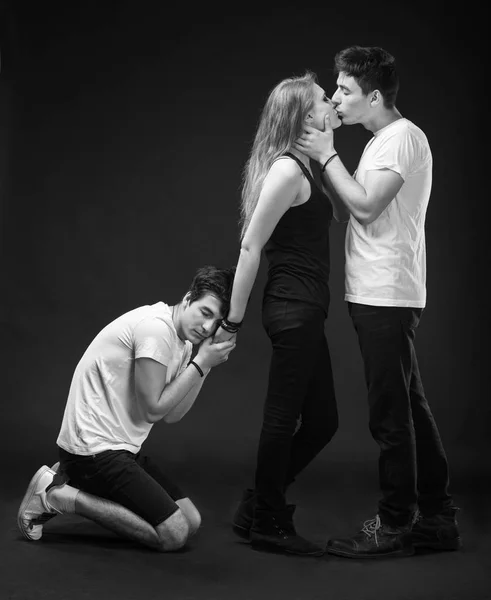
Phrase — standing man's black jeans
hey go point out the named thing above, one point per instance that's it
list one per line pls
(413, 468)
(300, 412)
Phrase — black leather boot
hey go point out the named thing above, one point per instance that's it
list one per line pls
(275, 531)
(242, 520)
(437, 532)
(374, 540)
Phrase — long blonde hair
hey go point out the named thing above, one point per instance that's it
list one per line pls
(281, 122)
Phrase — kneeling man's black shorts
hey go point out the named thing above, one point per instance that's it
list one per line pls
(132, 480)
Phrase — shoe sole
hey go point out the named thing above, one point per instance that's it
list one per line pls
(454, 545)
(27, 498)
(398, 554)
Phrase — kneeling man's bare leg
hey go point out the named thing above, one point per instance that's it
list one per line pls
(169, 535)
(191, 513)
(48, 495)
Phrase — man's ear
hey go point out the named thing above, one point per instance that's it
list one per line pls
(186, 298)
(375, 97)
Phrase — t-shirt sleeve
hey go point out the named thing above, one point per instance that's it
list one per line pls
(153, 339)
(399, 153)
(185, 359)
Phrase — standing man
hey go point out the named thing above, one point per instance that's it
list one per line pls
(386, 201)
(135, 372)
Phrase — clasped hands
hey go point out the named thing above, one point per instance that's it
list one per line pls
(223, 336)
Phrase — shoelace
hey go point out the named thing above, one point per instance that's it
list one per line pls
(281, 531)
(42, 519)
(371, 527)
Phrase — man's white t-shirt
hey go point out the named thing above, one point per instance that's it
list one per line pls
(102, 411)
(386, 260)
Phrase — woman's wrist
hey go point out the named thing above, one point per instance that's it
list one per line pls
(230, 325)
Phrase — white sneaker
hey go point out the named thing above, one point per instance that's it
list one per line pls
(34, 510)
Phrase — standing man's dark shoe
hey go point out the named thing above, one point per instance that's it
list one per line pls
(437, 532)
(276, 532)
(375, 540)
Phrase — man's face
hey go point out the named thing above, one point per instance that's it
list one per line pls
(201, 318)
(351, 103)
(322, 106)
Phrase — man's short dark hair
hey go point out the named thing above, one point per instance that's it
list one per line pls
(215, 281)
(373, 68)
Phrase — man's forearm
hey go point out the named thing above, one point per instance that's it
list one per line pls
(341, 213)
(185, 404)
(346, 190)
(175, 392)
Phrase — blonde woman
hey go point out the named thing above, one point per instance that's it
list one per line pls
(286, 212)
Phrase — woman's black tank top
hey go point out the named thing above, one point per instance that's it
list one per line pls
(298, 250)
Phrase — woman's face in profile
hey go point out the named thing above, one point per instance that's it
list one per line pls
(322, 106)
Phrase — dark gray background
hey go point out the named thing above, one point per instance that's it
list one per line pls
(124, 131)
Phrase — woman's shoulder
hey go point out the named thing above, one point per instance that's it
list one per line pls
(286, 166)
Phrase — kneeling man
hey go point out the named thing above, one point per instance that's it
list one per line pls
(135, 372)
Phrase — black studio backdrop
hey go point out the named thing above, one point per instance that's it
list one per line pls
(124, 131)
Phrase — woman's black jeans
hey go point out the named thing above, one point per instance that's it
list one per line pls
(300, 412)
(413, 468)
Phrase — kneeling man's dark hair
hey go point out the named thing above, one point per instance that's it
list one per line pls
(215, 281)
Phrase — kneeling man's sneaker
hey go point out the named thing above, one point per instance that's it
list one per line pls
(437, 532)
(375, 540)
(34, 510)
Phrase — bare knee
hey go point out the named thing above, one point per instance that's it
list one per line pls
(173, 533)
(191, 513)
(194, 521)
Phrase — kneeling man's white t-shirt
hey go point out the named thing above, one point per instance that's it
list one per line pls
(102, 411)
